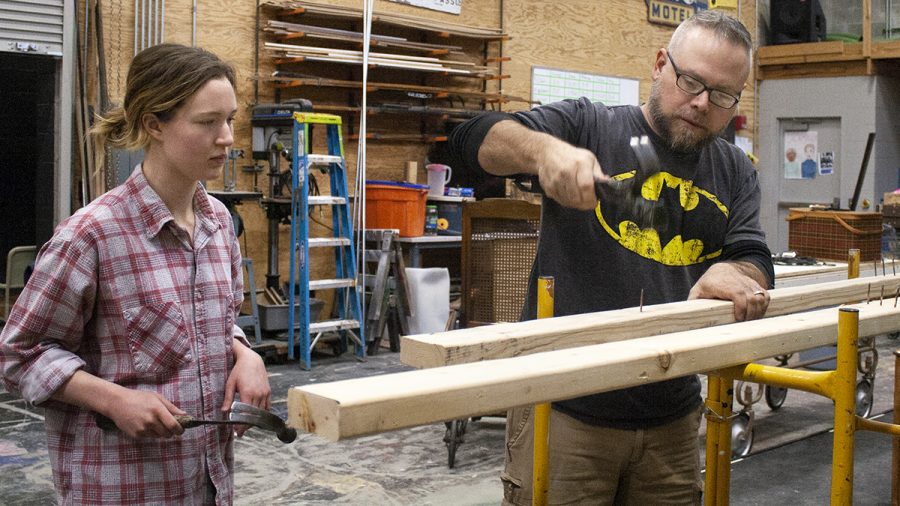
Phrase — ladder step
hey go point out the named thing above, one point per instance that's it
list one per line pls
(331, 325)
(325, 284)
(325, 200)
(323, 159)
(323, 242)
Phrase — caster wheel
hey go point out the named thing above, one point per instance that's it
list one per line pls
(775, 397)
(741, 436)
(864, 397)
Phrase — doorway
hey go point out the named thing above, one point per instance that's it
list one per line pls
(27, 150)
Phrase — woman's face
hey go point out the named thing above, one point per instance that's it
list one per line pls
(194, 142)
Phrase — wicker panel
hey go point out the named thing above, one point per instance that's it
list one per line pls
(499, 252)
(830, 234)
(501, 264)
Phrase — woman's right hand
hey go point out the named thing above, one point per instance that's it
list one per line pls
(142, 414)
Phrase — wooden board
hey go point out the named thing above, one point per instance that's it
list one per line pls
(522, 338)
(370, 405)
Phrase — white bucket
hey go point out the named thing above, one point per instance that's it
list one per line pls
(438, 176)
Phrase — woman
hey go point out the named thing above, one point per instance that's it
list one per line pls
(130, 311)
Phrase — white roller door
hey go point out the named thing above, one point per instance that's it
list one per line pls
(31, 26)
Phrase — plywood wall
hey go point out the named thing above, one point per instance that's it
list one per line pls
(610, 37)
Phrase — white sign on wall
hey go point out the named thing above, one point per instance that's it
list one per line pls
(451, 6)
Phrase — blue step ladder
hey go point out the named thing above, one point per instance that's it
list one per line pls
(346, 300)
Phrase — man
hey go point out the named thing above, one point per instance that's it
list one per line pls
(639, 445)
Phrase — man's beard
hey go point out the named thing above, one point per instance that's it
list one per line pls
(684, 139)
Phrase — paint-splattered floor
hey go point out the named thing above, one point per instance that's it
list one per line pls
(410, 466)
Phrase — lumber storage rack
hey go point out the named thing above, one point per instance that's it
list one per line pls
(523, 363)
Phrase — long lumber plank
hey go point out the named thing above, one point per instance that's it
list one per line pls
(522, 338)
(358, 407)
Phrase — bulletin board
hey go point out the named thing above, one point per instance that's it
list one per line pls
(552, 85)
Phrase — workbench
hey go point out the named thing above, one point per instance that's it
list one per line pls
(415, 245)
(801, 275)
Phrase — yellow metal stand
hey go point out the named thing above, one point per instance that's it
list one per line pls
(541, 463)
(895, 475)
(853, 263)
(838, 385)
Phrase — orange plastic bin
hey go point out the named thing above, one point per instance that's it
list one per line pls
(390, 204)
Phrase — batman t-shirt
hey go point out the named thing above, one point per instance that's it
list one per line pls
(605, 258)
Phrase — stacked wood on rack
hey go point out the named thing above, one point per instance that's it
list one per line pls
(286, 79)
(287, 31)
(415, 67)
(390, 18)
(288, 53)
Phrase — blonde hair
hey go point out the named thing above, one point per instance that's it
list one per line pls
(160, 80)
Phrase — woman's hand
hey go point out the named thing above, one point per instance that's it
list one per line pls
(249, 379)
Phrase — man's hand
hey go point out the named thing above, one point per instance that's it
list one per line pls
(248, 378)
(738, 282)
(567, 174)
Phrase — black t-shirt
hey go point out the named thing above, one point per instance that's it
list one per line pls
(601, 260)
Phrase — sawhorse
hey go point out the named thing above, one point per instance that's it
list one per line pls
(389, 303)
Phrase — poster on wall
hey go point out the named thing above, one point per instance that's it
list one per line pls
(826, 163)
(801, 155)
(451, 6)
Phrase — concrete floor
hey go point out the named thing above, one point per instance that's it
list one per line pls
(410, 466)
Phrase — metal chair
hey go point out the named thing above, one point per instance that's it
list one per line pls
(17, 261)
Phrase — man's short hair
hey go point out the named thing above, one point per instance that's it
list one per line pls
(725, 27)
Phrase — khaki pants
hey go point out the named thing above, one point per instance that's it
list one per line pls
(603, 466)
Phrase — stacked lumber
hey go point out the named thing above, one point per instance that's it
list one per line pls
(288, 53)
(283, 79)
(287, 31)
(390, 18)
(402, 109)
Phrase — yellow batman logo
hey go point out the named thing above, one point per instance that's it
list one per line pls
(648, 242)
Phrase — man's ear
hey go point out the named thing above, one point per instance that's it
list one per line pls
(152, 125)
(659, 63)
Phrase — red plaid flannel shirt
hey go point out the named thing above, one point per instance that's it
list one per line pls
(120, 292)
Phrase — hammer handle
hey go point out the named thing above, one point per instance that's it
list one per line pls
(186, 422)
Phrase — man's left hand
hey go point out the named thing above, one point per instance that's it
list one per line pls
(248, 378)
(734, 281)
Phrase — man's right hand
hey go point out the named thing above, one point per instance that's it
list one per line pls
(569, 175)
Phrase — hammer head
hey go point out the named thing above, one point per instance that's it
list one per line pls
(251, 415)
(628, 192)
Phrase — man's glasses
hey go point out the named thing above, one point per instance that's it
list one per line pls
(694, 86)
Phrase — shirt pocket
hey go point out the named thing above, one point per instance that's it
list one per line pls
(157, 337)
